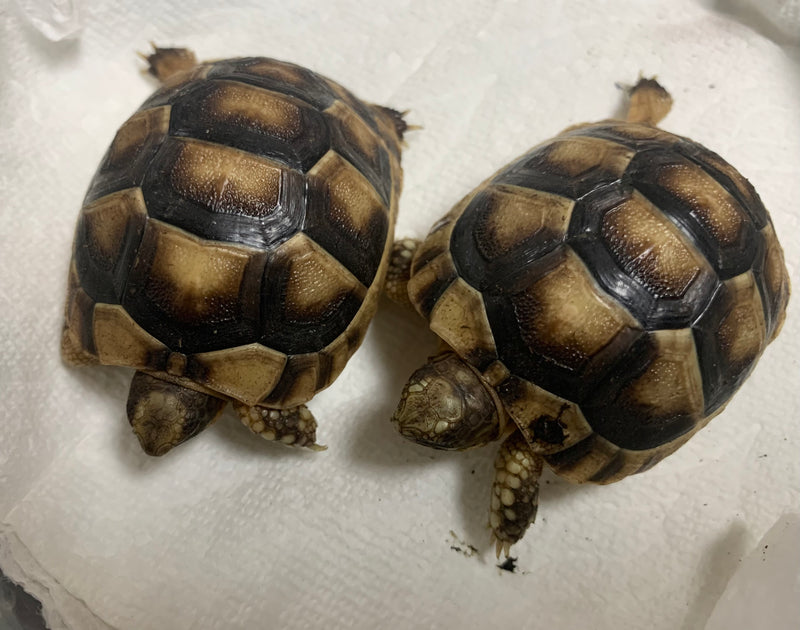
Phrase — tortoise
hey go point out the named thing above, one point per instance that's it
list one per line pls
(598, 301)
(232, 245)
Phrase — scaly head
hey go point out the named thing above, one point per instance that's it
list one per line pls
(447, 405)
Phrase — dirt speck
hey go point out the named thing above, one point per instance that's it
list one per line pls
(509, 564)
(462, 547)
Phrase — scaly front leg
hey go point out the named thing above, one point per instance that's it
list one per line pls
(515, 491)
(293, 427)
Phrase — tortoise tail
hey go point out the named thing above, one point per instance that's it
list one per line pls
(397, 119)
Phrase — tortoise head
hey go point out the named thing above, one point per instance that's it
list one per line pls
(447, 405)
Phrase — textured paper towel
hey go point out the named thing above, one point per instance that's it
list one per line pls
(232, 532)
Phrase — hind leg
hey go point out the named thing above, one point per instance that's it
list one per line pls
(166, 62)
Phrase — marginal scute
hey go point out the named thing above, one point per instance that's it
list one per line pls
(460, 320)
(730, 178)
(355, 137)
(584, 459)
(495, 373)
(77, 343)
(174, 85)
(302, 79)
(128, 159)
(597, 460)
(776, 282)
(176, 364)
(550, 423)
(121, 341)
(429, 282)
(298, 384)
(338, 352)
(247, 373)
(633, 135)
(364, 111)
(438, 239)
(742, 332)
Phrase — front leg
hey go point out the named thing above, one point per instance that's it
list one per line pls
(399, 271)
(293, 427)
(515, 491)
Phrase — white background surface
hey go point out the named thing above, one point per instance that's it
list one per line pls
(229, 531)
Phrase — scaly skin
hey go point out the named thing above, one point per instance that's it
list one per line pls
(293, 427)
(165, 414)
(515, 491)
(400, 270)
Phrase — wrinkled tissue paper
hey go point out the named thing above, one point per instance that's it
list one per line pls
(230, 531)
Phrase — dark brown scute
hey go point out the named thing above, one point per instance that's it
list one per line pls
(204, 112)
(667, 180)
(477, 256)
(772, 280)
(358, 244)
(301, 366)
(538, 170)
(427, 299)
(191, 296)
(297, 327)
(279, 76)
(261, 216)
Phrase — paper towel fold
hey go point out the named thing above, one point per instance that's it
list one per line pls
(232, 532)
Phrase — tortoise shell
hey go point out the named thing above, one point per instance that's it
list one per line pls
(237, 232)
(615, 284)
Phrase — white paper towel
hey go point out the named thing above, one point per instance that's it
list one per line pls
(229, 531)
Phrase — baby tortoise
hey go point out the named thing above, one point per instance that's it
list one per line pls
(233, 244)
(599, 300)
